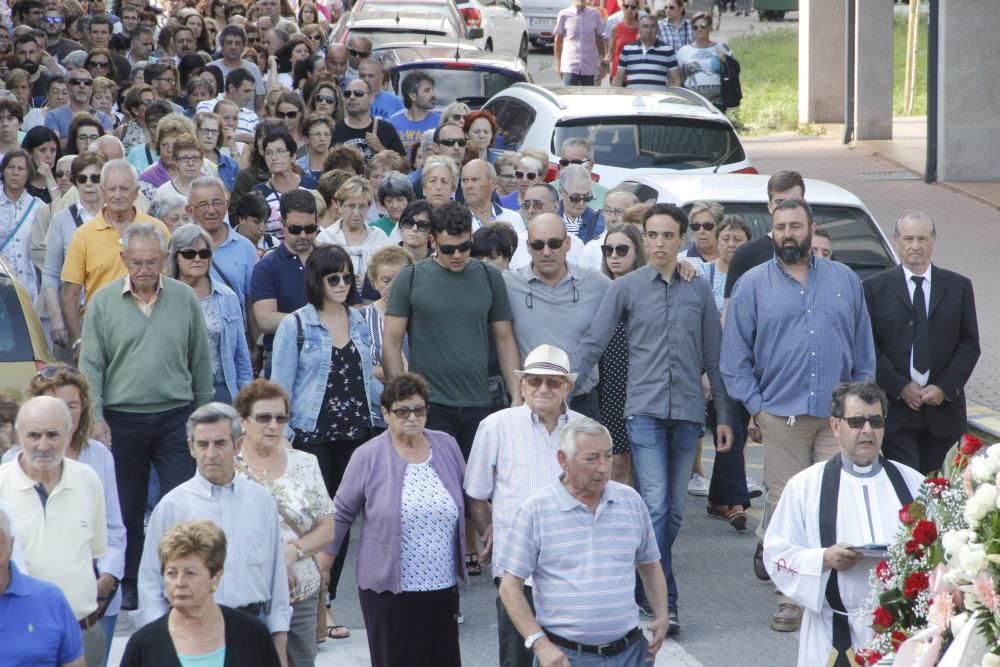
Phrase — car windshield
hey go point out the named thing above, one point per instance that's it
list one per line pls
(654, 141)
(15, 342)
(471, 86)
(856, 242)
(387, 35)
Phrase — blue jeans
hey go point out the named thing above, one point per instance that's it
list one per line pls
(633, 656)
(578, 79)
(108, 624)
(663, 451)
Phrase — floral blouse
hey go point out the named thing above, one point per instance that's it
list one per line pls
(15, 238)
(302, 499)
(344, 413)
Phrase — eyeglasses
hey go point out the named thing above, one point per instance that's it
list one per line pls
(295, 230)
(630, 6)
(335, 279)
(576, 199)
(189, 159)
(563, 162)
(217, 204)
(287, 114)
(267, 418)
(700, 26)
(319, 135)
(530, 175)
(191, 253)
(101, 65)
(538, 245)
(85, 137)
(410, 223)
(621, 250)
(327, 99)
(355, 93)
(147, 102)
(55, 20)
(171, 80)
(447, 249)
(877, 421)
(51, 371)
(507, 177)
(533, 204)
(282, 152)
(355, 208)
(698, 226)
(81, 179)
(617, 212)
(81, 82)
(453, 142)
(550, 382)
(418, 411)
(359, 54)
(208, 131)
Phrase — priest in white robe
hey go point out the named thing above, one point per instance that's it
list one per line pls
(825, 514)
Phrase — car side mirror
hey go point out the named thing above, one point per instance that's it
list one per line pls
(515, 6)
(476, 33)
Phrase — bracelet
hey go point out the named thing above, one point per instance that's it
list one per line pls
(299, 553)
(76, 343)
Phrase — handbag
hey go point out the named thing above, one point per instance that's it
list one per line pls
(731, 93)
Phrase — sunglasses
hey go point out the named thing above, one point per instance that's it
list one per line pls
(698, 226)
(531, 204)
(458, 117)
(410, 223)
(530, 175)
(295, 230)
(355, 93)
(62, 174)
(102, 65)
(50, 372)
(327, 99)
(359, 54)
(287, 114)
(447, 249)
(81, 179)
(621, 250)
(419, 412)
(453, 142)
(539, 245)
(630, 6)
(701, 26)
(335, 279)
(53, 19)
(576, 199)
(877, 421)
(81, 82)
(563, 162)
(267, 418)
(191, 253)
(550, 382)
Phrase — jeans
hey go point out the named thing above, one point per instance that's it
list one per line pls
(578, 79)
(108, 624)
(633, 656)
(663, 451)
(141, 440)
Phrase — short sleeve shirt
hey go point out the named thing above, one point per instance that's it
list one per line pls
(37, 626)
(279, 275)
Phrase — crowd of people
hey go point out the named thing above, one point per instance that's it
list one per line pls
(281, 298)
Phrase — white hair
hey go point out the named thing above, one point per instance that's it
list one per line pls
(143, 230)
(568, 437)
(45, 401)
(574, 173)
(207, 182)
(121, 166)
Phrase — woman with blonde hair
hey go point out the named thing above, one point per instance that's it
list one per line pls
(352, 232)
(455, 114)
(382, 270)
(103, 97)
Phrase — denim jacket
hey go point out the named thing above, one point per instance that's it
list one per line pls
(304, 373)
(233, 347)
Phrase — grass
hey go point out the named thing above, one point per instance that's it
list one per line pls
(769, 76)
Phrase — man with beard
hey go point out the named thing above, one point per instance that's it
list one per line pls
(28, 57)
(796, 328)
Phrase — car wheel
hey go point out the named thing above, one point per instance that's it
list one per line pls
(489, 46)
(522, 52)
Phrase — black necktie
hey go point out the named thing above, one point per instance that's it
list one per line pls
(921, 341)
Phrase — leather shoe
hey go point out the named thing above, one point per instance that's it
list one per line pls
(788, 618)
(758, 563)
(734, 514)
(130, 599)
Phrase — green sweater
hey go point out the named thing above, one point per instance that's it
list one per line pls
(146, 364)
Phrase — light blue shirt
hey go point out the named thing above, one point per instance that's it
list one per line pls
(254, 570)
(235, 258)
(787, 345)
(385, 105)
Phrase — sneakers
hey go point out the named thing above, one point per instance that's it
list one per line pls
(697, 486)
(755, 489)
(674, 625)
(788, 618)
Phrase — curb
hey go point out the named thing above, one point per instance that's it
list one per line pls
(984, 418)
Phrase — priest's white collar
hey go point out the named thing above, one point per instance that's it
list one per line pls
(856, 470)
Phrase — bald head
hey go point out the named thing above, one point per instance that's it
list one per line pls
(109, 146)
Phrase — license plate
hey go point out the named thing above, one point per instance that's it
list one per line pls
(542, 22)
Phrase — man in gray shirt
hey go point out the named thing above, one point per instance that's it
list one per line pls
(554, 302)
(673, 334)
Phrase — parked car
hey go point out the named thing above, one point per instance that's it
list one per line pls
(460, 74)
(23, 349)
(541, 17)
(632, 131)
(858, 241)
(382, 27)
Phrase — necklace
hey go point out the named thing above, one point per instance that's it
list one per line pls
(262, 472)
(173, 631)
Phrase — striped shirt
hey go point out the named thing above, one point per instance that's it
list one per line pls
(647, 68)
(513, 458)
(673, 37)
(583, 563)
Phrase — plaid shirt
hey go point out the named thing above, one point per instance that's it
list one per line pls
(673, 37)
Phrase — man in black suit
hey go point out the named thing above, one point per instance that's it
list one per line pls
(926, 344)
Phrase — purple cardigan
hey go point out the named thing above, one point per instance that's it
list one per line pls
(373, 483)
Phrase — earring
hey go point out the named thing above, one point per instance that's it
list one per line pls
(214, 587)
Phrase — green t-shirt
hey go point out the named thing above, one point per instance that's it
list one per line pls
(384, 223)
(449, 315)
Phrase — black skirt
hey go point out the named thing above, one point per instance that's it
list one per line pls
(412, 629)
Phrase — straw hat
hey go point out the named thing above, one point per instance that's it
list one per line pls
(547, 360)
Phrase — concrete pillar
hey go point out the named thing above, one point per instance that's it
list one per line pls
(969, 91)
(821, 60)
(873, 70)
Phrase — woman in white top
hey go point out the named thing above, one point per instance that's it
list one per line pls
(701, 60)
(352, 232)
(17, 216)
(188, 158)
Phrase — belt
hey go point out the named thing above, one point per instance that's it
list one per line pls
(254, 608)
(611, 648)
(91, 620)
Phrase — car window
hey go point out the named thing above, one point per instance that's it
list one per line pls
(856, 241)
(514, 119)
(380, 37)
(453, 84)
(654, 141)
(15, 342)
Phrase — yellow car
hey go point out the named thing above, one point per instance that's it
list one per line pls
(23, 349)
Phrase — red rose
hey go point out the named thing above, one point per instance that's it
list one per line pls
(925, 532)
(874, 656)
(904, 515)
(883, 571)
(915, 583)
(883, 618)
(898, 637)
(970, 444)
(938, 485)
(912, 548)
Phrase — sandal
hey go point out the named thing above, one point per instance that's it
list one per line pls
(472, 566)
(337, 632)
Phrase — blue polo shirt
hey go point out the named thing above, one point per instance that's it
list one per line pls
(59, 119)
(37, 627)
(279, 275)
(234, 259)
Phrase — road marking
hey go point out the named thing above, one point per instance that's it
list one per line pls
(673, 654)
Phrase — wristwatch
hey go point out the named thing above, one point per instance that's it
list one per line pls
(531, 639)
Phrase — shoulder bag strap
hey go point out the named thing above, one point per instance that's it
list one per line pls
(20, 222)
(74, 211)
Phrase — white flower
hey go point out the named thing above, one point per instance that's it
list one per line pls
(971, 558)
(990, 660)
(958, 622)
(993, 455)
(981, 468)
(953, 540)
(983, 501)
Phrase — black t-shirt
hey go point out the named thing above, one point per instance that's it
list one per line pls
(40, 90)
(747, 256)
(344, 134)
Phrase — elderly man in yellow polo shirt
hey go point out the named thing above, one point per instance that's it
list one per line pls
(57, 505)
(94, 256)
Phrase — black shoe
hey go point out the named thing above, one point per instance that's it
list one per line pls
(674, 626)
(645, 608)
(130, 599)
(758, 563)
